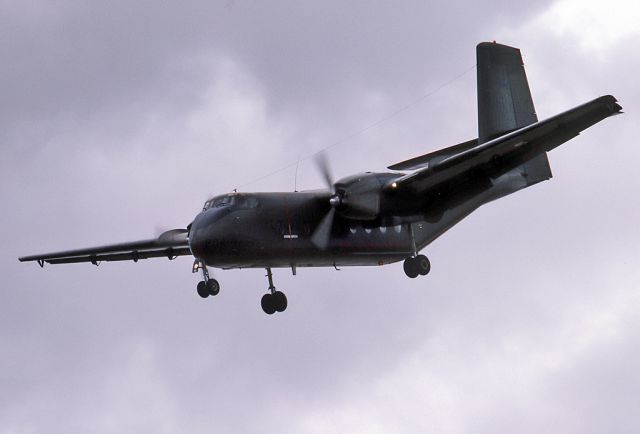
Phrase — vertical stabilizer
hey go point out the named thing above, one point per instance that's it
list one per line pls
(504, 98)
(504, 101)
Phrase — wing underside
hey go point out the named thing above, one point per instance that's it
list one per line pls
(170, 245)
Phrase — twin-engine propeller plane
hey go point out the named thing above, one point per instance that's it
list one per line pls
(374, 218)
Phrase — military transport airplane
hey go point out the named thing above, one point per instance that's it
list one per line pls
(374, 218)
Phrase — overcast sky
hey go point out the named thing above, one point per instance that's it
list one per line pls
(118, 119)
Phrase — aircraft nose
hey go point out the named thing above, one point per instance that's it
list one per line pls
(205, 229)
(197, 235)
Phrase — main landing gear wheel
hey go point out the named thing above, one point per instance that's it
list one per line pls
(213, 287)
(417, 266)
(274, 301)
(267, 304)
(202, 289)
(280, 300)
(424, 265)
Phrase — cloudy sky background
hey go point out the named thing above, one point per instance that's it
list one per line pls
(117, 121)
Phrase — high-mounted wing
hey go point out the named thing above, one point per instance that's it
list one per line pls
(434, 157)
(500, 155)
(170, 244)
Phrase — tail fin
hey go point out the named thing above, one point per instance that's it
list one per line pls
(505, 103)
(504, 98)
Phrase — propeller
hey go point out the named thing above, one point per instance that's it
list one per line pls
(322, 234)
(323, 166)
(356, 197)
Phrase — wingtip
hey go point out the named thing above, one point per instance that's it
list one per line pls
(615, 107)
(611, 104)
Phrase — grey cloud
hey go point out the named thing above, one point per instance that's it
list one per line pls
(114, 122)
(119, 59)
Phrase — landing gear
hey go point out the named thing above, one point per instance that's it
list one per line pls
(274, 301)
(208, 286)
(417, 266)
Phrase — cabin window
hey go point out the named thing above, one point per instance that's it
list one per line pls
(383, 229)
(397, 228)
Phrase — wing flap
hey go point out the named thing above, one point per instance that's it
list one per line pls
(170, 244)
(134, 255)
(502, 154)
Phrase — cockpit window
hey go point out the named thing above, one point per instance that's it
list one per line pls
(237, 200)
(218, 202)
(246, 202)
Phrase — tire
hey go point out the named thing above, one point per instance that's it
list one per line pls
(268, 305)
(202, 289)
(411, 268)
(213, 287)
(423, 265)
(280, 301)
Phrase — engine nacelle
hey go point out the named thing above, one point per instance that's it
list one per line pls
(359, 196)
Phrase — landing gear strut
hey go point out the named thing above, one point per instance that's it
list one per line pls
(274, 301)
(207, 286)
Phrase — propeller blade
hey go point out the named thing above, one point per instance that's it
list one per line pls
(322, 234)
(323, 165)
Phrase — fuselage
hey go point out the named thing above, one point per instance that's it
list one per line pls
(275, 229)
(248, 230)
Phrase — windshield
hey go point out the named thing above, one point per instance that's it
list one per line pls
(218, 202)
(237, 200)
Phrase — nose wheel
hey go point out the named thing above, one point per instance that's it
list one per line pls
(417, 266)
(207, 286)
(274, 301)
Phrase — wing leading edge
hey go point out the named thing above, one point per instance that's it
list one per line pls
(170, 244)
(498, 156)
(432, 158)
